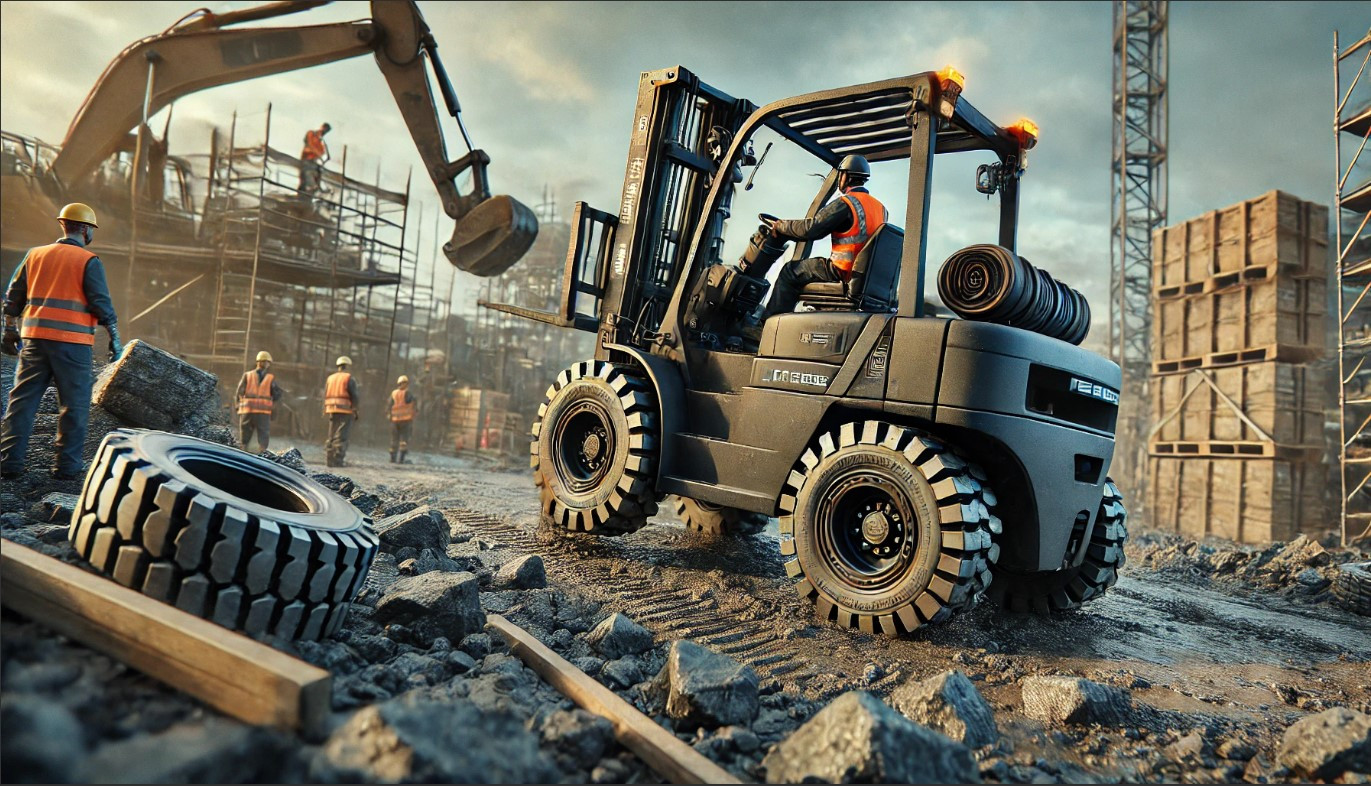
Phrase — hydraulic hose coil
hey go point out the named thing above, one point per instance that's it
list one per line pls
(989, 283)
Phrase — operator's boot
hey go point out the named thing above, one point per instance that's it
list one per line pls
(404, 460)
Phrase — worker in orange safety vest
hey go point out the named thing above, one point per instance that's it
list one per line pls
(313, 158)
(58, 294)
(851, 220)
(341, 398)
(257, 397)
(403, 407)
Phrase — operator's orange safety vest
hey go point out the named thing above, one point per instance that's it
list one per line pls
(256, 395)
(57, 309)
(868, 214)
(314, 146)
(401, 411)
(336, 398)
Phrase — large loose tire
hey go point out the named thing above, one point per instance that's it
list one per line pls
(1352, 587)
(718, 520)
(222, 534)
(1071, 588)
(887, 529)
(594, 450)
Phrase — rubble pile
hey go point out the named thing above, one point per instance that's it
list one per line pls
(1303, 569)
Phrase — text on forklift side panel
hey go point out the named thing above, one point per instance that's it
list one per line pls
(1087, 388)
(798, 378)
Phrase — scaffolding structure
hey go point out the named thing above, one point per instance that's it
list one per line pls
(1352, 270)
(1137, 209)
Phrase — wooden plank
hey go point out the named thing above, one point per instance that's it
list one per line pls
(662, 750)
(240, 677)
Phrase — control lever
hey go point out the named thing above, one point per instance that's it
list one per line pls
(755, 169)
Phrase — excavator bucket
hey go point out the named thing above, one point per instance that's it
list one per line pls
(492, 237)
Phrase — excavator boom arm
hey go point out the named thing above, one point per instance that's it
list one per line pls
(492, 233)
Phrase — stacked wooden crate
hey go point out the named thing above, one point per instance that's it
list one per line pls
(477, 419)
(1239, 311)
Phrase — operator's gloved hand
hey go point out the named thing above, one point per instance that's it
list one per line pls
(116, 347)
(10, 344)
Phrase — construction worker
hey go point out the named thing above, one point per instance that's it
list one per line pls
(257, 397)
(312, 159)
(341, 401)
(60, 291)
(851, 219)
(403, 407)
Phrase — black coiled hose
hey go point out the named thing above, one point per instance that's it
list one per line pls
(989, 283)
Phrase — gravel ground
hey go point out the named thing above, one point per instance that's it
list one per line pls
(1208, 658)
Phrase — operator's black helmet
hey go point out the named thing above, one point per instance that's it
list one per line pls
(855, 166)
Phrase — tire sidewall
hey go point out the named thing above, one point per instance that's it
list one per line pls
(807, 530)
(599, 392)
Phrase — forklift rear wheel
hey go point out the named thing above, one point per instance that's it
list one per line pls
(1071, 588)
(717, 519)
(887, 529)
(595, 450)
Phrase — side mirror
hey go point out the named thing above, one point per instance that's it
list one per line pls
(989, 178)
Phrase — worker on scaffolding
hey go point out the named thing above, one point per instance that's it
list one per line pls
(403, 407)
(341, 400)
(257, 397)
(312, 160)
(61, 294)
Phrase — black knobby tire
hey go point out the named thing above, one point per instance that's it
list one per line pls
(1352, 587)
(222, 534)
(594, 450)
(718, 520)
(1071, 588)
(887, 528)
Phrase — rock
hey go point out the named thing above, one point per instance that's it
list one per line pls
(1236, 749)
(948, 703)
(200, 751)
(59, 507)
(41, 677)
(618, 636)
(526, 572)
(1073, 700)
(409, 664)
(623, 672)
(740, 739)
(43, 741)
(1328, 744)
(421, 528)
(460, 661)
(858, 739)
(477, 645)
(365, 502)
(416, 740)
(706, 688)
(150, 388)
(581, 737)
(1188, 750)
(432, 605)
(291, 458)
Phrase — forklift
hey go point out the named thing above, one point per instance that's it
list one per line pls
(916, 463)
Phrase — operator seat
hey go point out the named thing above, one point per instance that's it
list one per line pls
(874, 286)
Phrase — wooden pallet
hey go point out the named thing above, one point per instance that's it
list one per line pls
(1236, 449)
(1285, 353)
(234, 674)
(1224, 282)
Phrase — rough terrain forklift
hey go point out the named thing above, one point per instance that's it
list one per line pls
(916, 463)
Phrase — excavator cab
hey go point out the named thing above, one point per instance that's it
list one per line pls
(202, 50)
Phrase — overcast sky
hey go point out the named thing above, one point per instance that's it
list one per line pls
(548, 88)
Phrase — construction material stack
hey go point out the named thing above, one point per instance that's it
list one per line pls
(477, 419)
(1237, 444)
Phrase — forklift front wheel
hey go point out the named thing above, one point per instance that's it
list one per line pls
(887, 529)
(595, 450)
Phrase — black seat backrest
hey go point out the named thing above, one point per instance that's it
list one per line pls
(875, 282)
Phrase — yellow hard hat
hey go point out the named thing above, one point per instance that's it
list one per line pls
(402, 380)
(77, 211)
(264, 355)
(344, 360)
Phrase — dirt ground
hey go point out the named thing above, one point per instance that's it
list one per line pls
(1221, 647)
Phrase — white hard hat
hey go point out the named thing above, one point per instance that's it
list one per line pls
(264, 355)
(343, 360)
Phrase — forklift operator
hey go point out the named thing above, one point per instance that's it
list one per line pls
(851, 219)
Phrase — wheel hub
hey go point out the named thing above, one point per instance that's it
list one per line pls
(875, 528)
(583, 446)
(865, 536)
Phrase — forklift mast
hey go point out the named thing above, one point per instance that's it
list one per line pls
(682, 128)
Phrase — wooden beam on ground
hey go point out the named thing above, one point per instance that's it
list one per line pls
(229, 671)
(659, 748)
